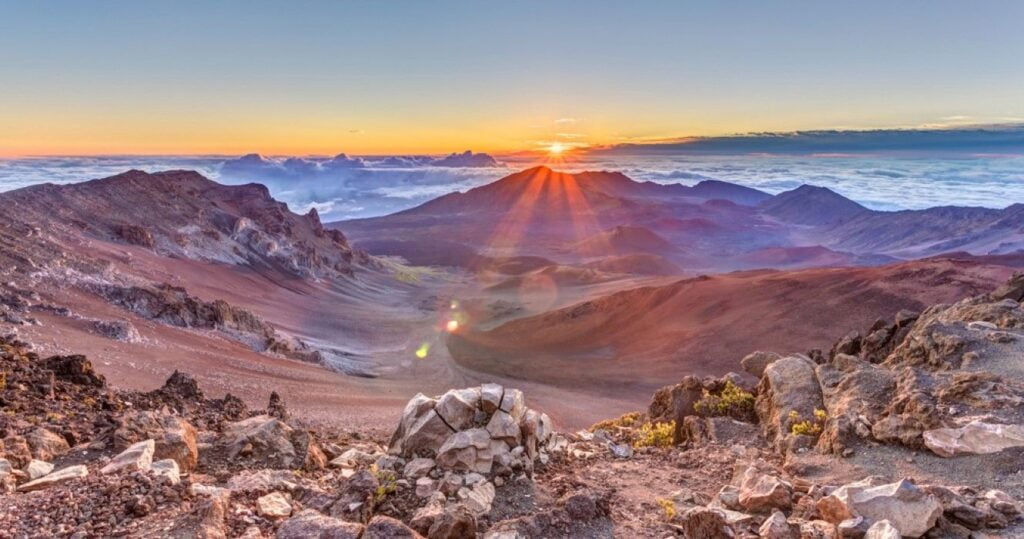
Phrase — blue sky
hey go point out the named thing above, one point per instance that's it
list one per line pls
(392, 77)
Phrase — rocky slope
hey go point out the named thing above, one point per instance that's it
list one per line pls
(909, 429)
(177, 249)
(183, 214)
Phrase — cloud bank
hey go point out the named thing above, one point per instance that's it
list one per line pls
(345, 187)
(988, 139)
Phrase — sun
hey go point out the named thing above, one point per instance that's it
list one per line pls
(556, 149)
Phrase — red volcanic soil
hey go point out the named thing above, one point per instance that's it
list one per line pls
(624, 240)
(632, 341)
(812, 256)
(638, 264)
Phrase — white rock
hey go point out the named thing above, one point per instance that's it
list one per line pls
(273, 505)
(198, 489)
(38, 468)
(883, 529)
(490, 397)
(976, 438)
(503, 427)
(418, 467)
(425, 486)
(458, 406)
(514, 404)
(138, 457)
(479, 498)
(473, 478)
(55, 478)
(167, 468)
(911, 510)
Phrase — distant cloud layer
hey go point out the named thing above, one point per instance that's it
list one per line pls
(988, 139)
(344, 187)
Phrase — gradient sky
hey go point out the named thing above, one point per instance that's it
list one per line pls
(400, 77)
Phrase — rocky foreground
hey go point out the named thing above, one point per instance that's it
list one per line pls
(913, 429)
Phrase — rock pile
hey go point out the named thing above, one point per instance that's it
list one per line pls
(485, 430)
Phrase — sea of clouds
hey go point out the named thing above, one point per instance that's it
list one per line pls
(344, 187)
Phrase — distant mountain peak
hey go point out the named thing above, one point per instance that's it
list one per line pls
(812, 205)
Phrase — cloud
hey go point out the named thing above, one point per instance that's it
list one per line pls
(564, 121)
(1004, 138)
(343, 187)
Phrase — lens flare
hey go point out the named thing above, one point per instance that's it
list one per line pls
(422, 351)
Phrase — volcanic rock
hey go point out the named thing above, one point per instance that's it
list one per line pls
(138, 457)
(382, 527)
(311, 524)
(910, 509)
(55, 478)
(977, 438)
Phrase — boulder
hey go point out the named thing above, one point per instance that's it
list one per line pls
(855, 393)
(465, 451)
(818, 529)
(177, 442)
(490, 397)
(206, 521)
(975, 438)
(355, 497)
(454, 522)
(167, 469)
(310, 524)
(38, 468)
(16, 450)
(418, 467)
(263, 481)
(503, 427)
(761, 493)
(755, 363)
(458, 407)
(853, 528)
(273, 505)
(175, 438)
(259, 437)
(272, 443)
(55, 478)
(478, 498)
(382, 527)
(777, 527)
(425, 487)
(76, 369)
(883, 529)
(46, 445)
(722, 430)
(706, 523)
(426, 436)
(414, 410)
(487, 430)
(910, 509)
(425, 516)
(789, 385)
(138, 457)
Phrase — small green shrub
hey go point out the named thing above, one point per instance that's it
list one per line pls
(387, 484)
(655, 435)
(732, 402)
(807, 427)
